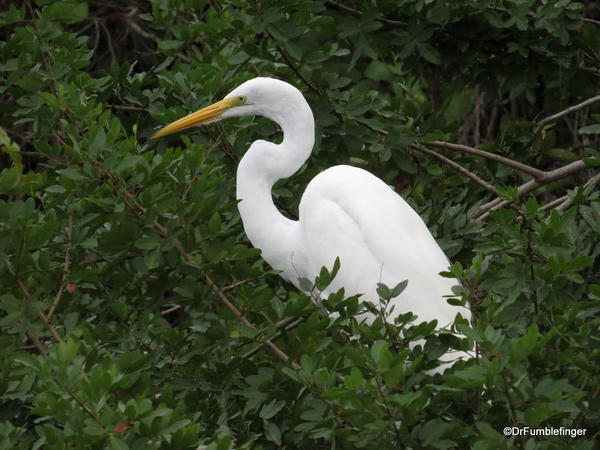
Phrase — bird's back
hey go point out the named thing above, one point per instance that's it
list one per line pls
(349, 213)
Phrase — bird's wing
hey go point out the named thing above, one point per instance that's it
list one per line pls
(349, 213)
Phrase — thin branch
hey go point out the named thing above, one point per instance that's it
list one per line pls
(391, 417)
(53, 331)
(223, 298)
(511, 407)
(171, 310)
(137, 29)
(566, 111)
(358, 13)
(536, 173)
(81, 403)
(588, 20)
(295, 69)
(40, 314)
(554, 203)
(456, 166)
(41, 348)
(532, 185)
(127, 107)
(65, 275)
(290, 325)
(164, 232)
(235, 284)
(109, 41)
(292, 66)
(278, 352)
(540, 177)
(97, 40)
(567, 203)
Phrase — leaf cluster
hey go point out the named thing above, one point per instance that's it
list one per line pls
(116, 252)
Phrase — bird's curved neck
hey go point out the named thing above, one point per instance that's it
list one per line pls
(263, 164)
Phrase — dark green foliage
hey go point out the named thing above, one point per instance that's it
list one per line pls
(111, 332)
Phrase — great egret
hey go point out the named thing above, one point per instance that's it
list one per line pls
(345, 212)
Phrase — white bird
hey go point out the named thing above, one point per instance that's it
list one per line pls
(345, 212)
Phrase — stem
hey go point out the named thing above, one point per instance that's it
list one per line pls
(65, 275)
(389, 412)
(458, 167)
(535, 173)
(274, 348)
(40, 314)
(289, 325)
(358, 13)
(566, 111)
(531, 185)
(511, 406)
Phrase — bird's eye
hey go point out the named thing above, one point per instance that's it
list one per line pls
(242, 99)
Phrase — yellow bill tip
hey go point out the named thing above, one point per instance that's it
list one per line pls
(210, 113)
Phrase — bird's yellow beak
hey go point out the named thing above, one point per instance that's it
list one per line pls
(204, 115)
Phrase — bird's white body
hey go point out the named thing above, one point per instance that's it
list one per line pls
(345, 212)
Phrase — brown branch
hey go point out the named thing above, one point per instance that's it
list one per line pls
(358, 13)
(234, 285)
(292, 66)
(290, 325)
(81, 403)
(97, 40)
(65, 276)
(391, 417)
(137, 29)
(109, 41)
(564, 202)
(127, 107)
(457, 167)
(511, 407)
(535, 173)
(540, 177)
(566, 111)
(53, 331)
(278, 352)
(22, 137)
(171, 310)
(588, 20)
(41, 348)
(295, 69)
(40, 314)
(531, 185)
(567, 203)
(553, 203)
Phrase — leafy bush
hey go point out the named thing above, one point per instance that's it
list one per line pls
(123, 261)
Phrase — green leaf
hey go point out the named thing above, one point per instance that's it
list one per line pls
(117, 443)
(355, 379)
(56, 189)
(67, 350)
(272, 432)
(9, 179)
(525, 344)
(590, 129)
(429, 53)
(147, 243)
(381, 354)
(592, 162)
(66, 11)
(270, 409)
(377, 71)
(72, 174)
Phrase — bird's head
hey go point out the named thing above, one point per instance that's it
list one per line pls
(260, 96)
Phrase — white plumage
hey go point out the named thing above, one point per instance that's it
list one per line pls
(345, 212)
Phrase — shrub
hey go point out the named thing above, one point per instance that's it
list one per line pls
(118, 255)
